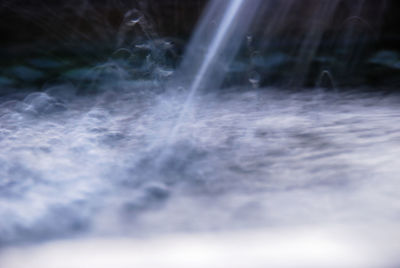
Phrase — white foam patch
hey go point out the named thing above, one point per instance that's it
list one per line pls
(305, 247)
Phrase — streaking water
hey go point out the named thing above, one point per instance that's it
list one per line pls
(206, 63)
(247, 158)
(207, 52)
(215, 43)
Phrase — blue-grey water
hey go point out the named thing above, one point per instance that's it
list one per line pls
(244, 159)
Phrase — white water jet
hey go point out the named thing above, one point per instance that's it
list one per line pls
(210, 54)
(215, 46)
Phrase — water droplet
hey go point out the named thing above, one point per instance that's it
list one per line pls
(254, 79)
(133, 22)
(249, 40)
(133, 17)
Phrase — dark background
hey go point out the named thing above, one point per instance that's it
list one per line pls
(43, 26)
(89, 31)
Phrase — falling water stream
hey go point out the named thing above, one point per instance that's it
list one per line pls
(203, 175)
(214, 48)
(228, 29)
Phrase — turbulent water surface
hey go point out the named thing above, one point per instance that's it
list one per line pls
(105, 164)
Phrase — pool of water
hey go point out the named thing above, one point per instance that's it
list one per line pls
(104, 165)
